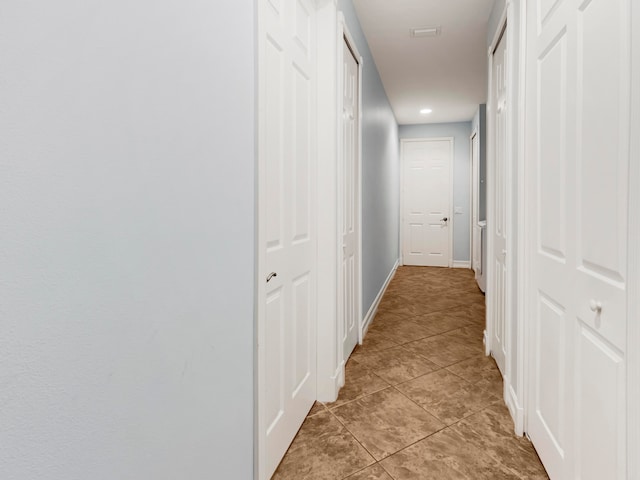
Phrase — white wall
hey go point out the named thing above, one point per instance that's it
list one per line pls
(126, 239)
(380, 171)
(460, 131)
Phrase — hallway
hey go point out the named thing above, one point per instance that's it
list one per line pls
(421, 400)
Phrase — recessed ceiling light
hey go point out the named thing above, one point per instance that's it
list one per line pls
(425, 31)
(425, 111)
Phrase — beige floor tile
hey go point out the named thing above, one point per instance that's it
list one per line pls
(401, 331)
(395, 365)
(478, 370)
(470, 335)
(492, 431)
(318, 407)
(386, 422)
(446, 306)
(360, 386)
(374, 472)
(375, 340)
(383, 317)
(322, 450)
(444, 321)
(401, 306)
(447, 396)
(353, 370)
(443, 350)
(447, 455)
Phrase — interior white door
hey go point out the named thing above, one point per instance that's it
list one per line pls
(350, 200)
(287, 224)
(476, 246)
(426, 200)
(578, 152)
(498, 225)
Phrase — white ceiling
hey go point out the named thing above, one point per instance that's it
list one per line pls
(446, 73)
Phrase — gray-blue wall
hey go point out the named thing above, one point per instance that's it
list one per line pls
(127, 239)
(460, 131)
(380, 171)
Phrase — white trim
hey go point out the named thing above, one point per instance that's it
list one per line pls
(344, 36)
(376, 302)
(514, 230)
(515, 408)
(633, 315)
(403, 142)
(329, 355)
(462, 264)
(522, 236)
(498, 33)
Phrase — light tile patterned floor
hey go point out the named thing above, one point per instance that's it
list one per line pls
(421, 400)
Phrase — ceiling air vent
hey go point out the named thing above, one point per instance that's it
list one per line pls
(425, 32)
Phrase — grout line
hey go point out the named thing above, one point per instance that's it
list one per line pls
(355, 438)
(387, 471)
(360, 397)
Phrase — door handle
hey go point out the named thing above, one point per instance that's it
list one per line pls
(445, 219)
(271, 275)
(595, 306)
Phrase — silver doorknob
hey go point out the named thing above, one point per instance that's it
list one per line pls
(595, 306)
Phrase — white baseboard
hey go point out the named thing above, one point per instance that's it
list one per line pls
(462, 264)
(376, 303)
(515, 409)
(485, 342)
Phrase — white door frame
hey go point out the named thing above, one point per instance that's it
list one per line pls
(522, 240)
(515, 275)
(345, 36)
(403, 142)
(330, 363)
(633, 334)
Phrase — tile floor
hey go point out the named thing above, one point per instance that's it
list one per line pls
(421, 401)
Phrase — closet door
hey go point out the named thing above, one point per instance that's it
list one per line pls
(287, 224)
(578, 94)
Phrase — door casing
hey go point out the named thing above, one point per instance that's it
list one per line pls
(512, 21)
(633, 334)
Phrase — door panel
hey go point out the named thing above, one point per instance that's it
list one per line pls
(549, 399)
(287, 227)
(577, 140)
(552, 147)
(350, 202)
(601, 391)
(426, 194)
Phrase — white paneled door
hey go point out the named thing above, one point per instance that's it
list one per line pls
(350, 201)
(578, 96)
(287, 224)
(497, 226)
(476, 245)
(426, 202)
